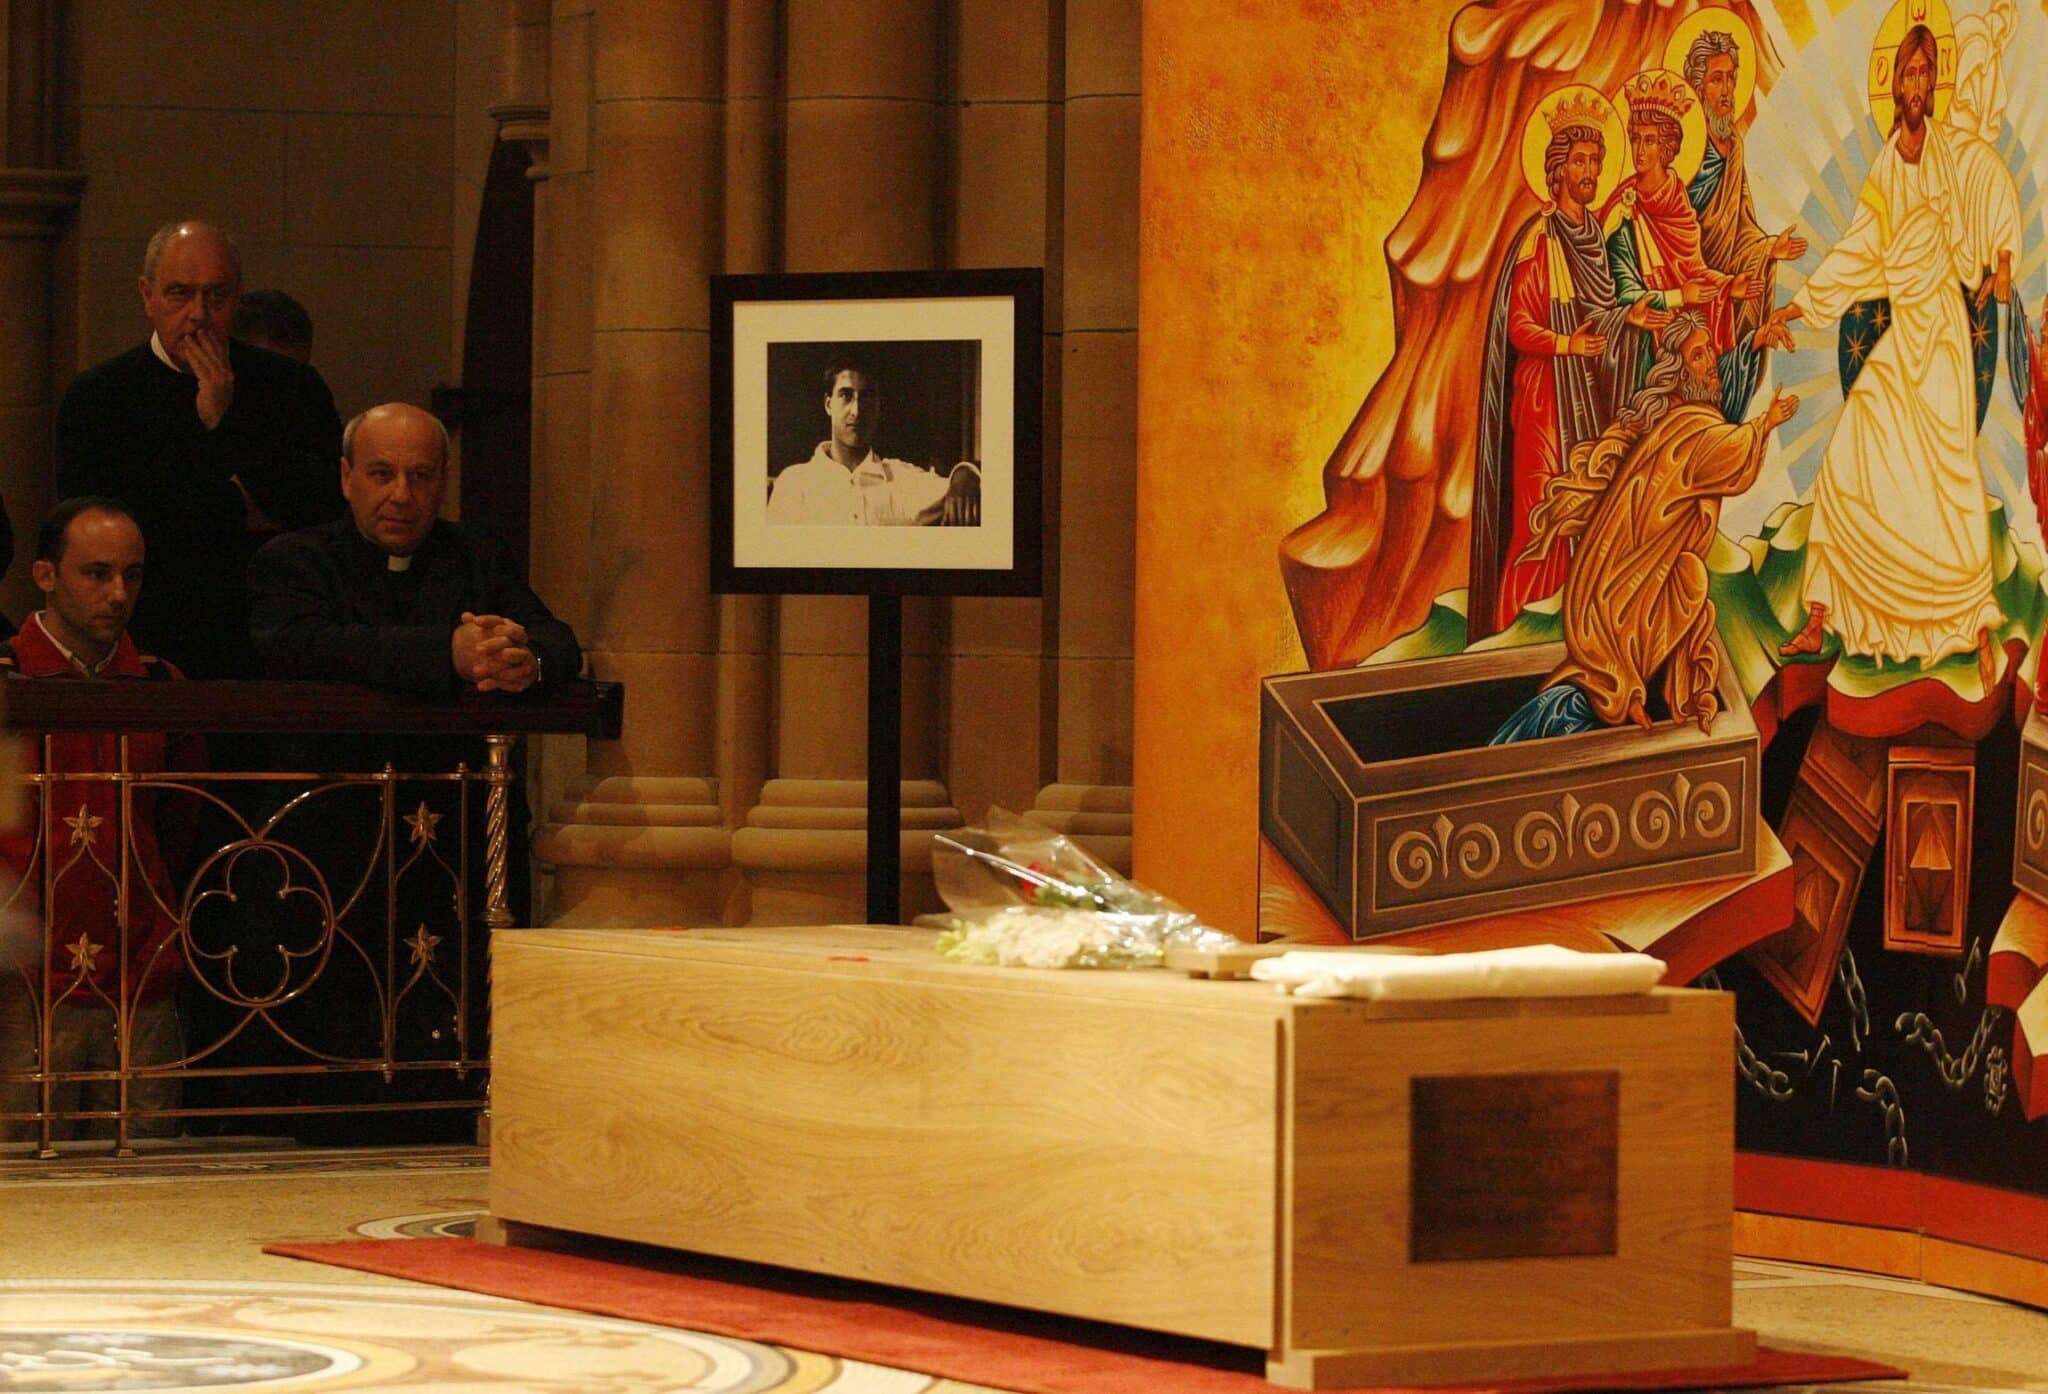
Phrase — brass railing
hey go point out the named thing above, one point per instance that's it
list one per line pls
(360, 962)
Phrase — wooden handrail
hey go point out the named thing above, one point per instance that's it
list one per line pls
(577, 708)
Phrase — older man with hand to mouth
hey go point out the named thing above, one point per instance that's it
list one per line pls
(214, 444)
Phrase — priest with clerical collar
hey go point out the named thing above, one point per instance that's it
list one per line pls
(395, 596)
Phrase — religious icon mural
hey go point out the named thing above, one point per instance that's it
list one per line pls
(1678, 585)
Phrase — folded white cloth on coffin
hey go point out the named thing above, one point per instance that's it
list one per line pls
(1537, 970)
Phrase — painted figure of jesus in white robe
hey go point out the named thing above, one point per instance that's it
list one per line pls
(1899, 551)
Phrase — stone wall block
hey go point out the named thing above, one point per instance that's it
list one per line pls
(25, 329)
(999, 734)
(1098, 514)
(367, 354)
(987, 626)
(924, 716)
(24, 439)
(134, 188)
(864, 48)
(1095, 817)
(1002, 198)
(821, 730)
(1095, 720)
(563, 333)
(745, 623)
(861, 180)
(524, 44)
(228, 53)
(666, 727)
(655, 48)
(569, 94)
(1101, 258)
(753, 137)
(753, 49)
(356, 180)
(822, 624)
(804, 850)
(649, 528)
(1103, 50)
(636, 851)
(656, 213)
(561, 494)
(1005, 51)
(742, 704)
(410, 49)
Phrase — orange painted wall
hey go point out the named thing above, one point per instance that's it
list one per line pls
(1282, 141)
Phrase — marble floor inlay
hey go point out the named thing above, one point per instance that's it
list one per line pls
(70, 1336)
(148, 1274)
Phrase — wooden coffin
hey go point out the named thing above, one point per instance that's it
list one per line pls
(1370, 1192)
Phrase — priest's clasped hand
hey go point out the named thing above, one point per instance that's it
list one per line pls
(493, 653)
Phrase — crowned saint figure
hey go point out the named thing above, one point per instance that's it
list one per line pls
(1562, 352)
(1653, 234)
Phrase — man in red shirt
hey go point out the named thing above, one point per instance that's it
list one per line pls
(87, 970)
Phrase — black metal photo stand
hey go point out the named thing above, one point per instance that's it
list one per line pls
(885, 759)
(992, 316)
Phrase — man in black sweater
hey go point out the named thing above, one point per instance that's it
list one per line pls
(214, 444)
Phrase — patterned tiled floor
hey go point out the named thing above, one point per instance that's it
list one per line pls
(150, 1277)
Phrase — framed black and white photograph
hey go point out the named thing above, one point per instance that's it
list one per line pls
(876, 433)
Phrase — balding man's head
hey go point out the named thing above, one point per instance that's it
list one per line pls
(191, 280)
(190, 232)
(394, 468)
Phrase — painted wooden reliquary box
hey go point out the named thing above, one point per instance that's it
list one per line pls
(1378, 785)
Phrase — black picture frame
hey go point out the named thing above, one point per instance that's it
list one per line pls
(959, 359)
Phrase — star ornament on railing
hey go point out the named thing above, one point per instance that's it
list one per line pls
(423, 945)
(83, 952)
(85, 827)
(422, 822)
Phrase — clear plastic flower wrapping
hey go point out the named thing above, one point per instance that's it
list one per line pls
(1021, 895)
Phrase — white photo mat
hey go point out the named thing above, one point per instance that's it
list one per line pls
(756, 324)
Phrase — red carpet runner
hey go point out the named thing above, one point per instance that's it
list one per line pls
(969, 1341)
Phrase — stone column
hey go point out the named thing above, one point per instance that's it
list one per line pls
(36, 205)
(1091, 799)
(864, 159)
(641, 838)
(1008, 133)
(753, 229)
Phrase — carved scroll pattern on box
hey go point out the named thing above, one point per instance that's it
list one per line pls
(1553, 838)
(1380, 788)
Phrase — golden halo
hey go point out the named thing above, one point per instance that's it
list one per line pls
(1729, 23)
(1536, 138)
(1906, 13)
(1692, 141)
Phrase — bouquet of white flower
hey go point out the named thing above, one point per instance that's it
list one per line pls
(1021, 895)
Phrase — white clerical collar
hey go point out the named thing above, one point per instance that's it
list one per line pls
(156, 346)
(394, 562)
